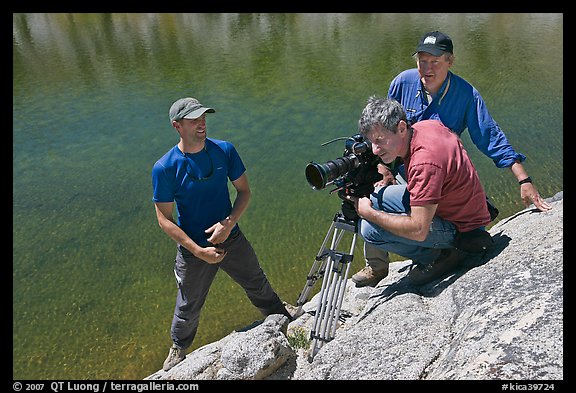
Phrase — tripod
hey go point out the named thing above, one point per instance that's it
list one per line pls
(337, 265)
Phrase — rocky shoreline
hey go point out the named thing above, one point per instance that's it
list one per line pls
(498, 318)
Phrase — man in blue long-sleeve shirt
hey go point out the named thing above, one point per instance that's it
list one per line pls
(432, 91)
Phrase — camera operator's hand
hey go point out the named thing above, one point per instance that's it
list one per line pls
(387, 176)
(363, 205)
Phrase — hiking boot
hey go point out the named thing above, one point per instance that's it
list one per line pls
(175, 356)
(448, 261)
(369, 276)
(292, 310)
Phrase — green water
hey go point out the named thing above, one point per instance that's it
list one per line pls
(93, 288)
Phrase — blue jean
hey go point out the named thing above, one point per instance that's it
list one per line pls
(395, 199)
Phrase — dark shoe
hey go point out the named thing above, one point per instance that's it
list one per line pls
(448, 261)
(369, 276)
(279, 308)
(477, 241)
(175, 356)
(292, 310)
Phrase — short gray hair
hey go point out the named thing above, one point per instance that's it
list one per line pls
(449, 57)
(385, 112)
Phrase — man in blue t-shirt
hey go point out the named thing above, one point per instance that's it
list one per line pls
(193, 178)
(432, 91)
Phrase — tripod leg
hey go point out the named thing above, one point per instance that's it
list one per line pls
(332, 294)
(325, 309)
(342, 289)
(317, 333)
(318, 269)
(325, 290)
(337, 265)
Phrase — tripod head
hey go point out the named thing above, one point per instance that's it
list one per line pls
(348, 209)
(349, 212)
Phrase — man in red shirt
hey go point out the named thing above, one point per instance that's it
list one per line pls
(443, 196)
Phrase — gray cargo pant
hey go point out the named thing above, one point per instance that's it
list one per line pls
(194, 278)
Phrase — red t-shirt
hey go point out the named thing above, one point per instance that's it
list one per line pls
(439, 171)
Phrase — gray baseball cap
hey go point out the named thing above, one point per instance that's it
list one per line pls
(188, 108)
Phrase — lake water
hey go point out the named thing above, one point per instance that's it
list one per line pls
(93, 288)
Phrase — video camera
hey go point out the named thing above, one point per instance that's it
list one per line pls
(353, 174)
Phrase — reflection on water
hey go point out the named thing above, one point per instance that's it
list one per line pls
(93, 287)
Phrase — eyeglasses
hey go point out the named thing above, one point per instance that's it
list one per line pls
(199, 178)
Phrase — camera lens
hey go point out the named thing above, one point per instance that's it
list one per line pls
(316, 176)
(320, 175)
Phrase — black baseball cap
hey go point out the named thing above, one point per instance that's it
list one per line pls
(435, 43)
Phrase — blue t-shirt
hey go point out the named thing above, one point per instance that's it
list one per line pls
(198, 184)
(459, 106)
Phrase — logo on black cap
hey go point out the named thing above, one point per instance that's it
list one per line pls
(435, 43)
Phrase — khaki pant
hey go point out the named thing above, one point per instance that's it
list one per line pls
(376, 258)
